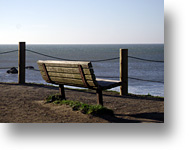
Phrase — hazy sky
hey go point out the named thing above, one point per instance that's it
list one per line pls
(81, 21)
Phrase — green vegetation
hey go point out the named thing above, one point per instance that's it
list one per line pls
(145, 96)
(138, 96)
(79, 106)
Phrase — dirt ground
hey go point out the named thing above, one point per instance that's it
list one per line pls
(25, 104)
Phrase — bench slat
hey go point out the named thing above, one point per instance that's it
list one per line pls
(66, 70)
(65, 64)
(65, 75)
(85, 66)
(45, 78)
(67, 81)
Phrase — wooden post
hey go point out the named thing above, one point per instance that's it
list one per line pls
(124, 71)
(21, 63)
(99, 97)
(62, 91)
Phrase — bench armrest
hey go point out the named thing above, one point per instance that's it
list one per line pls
(107, 84)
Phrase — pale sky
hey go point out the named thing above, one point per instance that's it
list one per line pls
(82, 21)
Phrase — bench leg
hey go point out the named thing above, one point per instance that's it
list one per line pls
(99, 97)
(62, 92)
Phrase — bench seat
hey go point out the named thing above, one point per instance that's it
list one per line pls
(105, 84)
(74, 73)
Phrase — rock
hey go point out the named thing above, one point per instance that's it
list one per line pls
(29, 67)
(13, 70)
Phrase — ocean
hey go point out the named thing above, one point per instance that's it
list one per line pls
(139, 69)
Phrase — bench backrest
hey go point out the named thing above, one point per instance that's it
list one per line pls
(74, 73)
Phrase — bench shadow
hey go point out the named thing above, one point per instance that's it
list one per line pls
(33, 84)
(114, 119)
(43, 86)
(153, 116)
(134, 97)
(119, 96)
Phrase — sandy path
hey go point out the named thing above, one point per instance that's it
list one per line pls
(25, 103)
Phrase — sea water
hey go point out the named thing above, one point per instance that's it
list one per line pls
(145, 70)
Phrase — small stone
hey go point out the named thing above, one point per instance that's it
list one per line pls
(13, 70)
(29, 67)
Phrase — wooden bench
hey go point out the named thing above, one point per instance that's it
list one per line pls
(74, 73)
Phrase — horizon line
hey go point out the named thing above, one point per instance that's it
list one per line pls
(82, 43)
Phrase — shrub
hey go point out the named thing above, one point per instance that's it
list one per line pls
(79, 106)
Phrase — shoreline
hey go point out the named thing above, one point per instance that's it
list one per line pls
(85, 89)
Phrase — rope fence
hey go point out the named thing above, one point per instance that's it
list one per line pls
(108, 59)
(146, 59)
(101, 60)
(7, 68)
(131, 78)
(69, 59)
(9, 52)
(99, 76)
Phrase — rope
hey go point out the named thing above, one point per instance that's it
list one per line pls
(107, 77)
(8, 52)
(35, 69)
(146, 59)
(7, 68)
(70, 59)
(46, 55)
(105, 59)
(92, 60)
(17, 67)
(88, 60)
(100, 76)
(82, 60)
(145, 80)
(131, 78)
